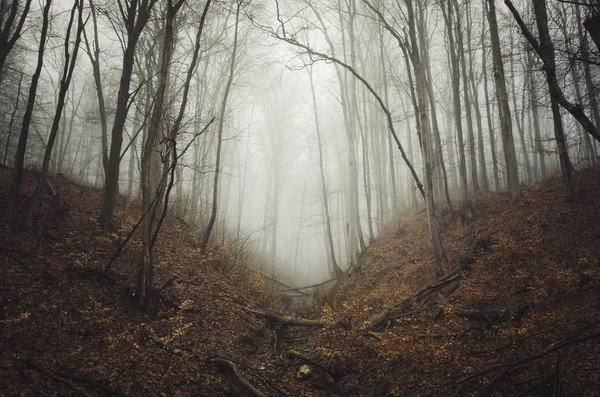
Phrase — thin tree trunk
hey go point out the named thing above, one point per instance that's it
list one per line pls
(213, 214)
(547, 51)
(510, 158)
(475, 96)
(367, 170)
(455, 72)
(488, 111)
(329, 247)
(17, 175)
(9, 32)
(69, 67)
(446, 202)
(12, 119)
(518, 119)
(94, 56)
(535, 118)
(150, 204)
(468, 106)
(591, 89)
(134, 27)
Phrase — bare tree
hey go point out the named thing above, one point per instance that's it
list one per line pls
(11, 26)
(65, 81)
(510, 157)
(17, 174)
(213, 215)
(135, 15)
(329, 247)
(93, 52)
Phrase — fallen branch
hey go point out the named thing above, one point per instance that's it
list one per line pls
(381, 319)
(286, 320)
(281, 283)
(231, 366)
(310, 286)
(514, 365)
(488, 315)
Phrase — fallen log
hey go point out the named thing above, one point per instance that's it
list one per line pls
(384, 317)
(235, 371)
(282, 284)
(276, 318)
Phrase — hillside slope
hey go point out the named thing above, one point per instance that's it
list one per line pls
(523, 318)
(66, 328)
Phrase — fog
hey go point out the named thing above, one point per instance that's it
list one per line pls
(311, 168)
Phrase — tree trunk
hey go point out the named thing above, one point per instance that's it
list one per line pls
(12, 119)
(69, 67)
(94, 56)
(538, 146)
(329, 248)
(134, 27)
(421, 90)
(455, 72)
(150, 203)
(488, 111)
(467, 96)
(9, 32)
(17, 174)
(213, 214)
(518, 118)
(444, 202)
(547, 52)
(510, 158)
(475, 95)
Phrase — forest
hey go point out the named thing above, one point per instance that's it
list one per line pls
(299, 197)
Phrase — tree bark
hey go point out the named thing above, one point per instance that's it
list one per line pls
(510, 158)
(539, 146)
(9, 32)
(12, 119)
(136, 14)
(324, 193)
(547, 53)
(17, 174)
(484, 184)
(213, 215)
(94, 56)
(69, 67)
(467, 96)
(488, 111)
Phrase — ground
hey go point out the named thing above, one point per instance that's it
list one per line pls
(522, 317)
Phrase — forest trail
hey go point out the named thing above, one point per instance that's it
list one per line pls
(522, 319)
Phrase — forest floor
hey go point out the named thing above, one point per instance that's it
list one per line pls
(519, 316)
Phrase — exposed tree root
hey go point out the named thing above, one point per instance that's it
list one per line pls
(69, 380)
(235, 371)
(385, 317)
(276, 318)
